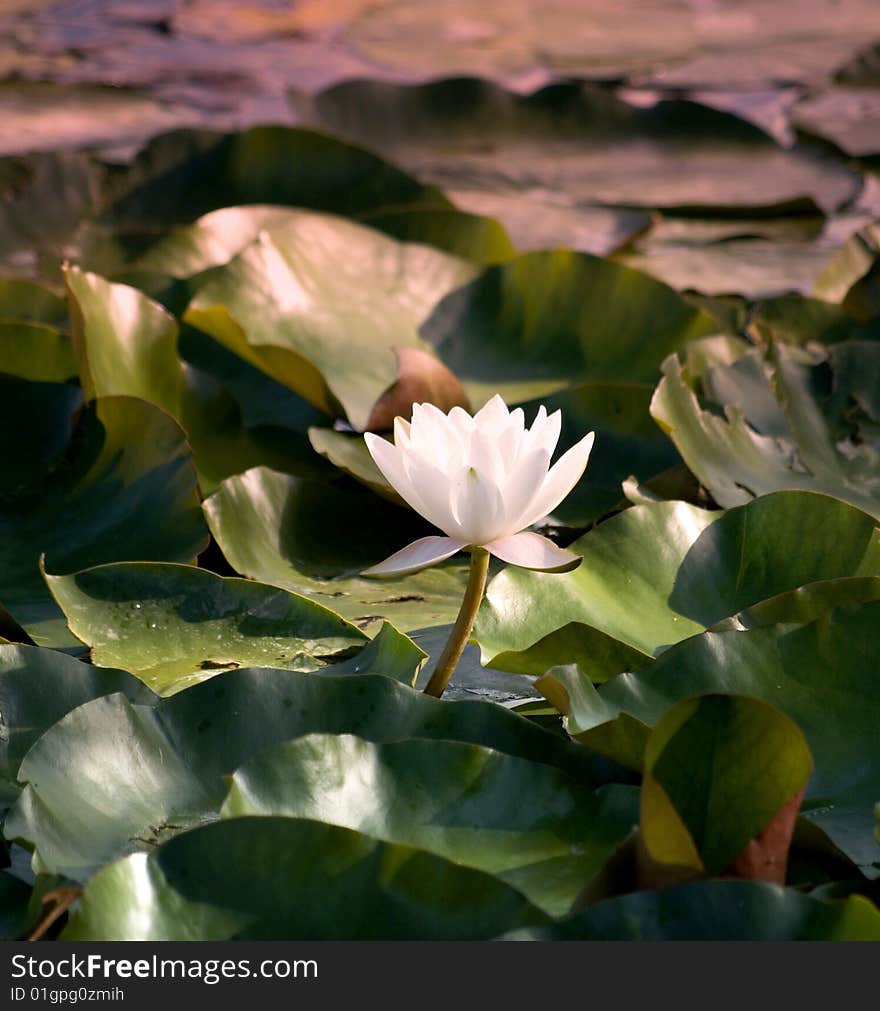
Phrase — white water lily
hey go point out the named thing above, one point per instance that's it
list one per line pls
(482, 480)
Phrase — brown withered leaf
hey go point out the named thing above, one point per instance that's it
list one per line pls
(421, 378)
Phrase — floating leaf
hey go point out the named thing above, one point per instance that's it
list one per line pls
(718, 770)
(819, 447)
(580, 143)
(182, 175)
(126, 489)
(175, 625)
(37, 688)
(717, 911)
(274, 528)
(823, 675)
(321, 307)
(547, 321)
(144, 773)
(656, 574)
(294, 880)
(529, 824)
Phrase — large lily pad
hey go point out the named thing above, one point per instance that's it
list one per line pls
(580, 142)
(175, 625)
(313, 538)
(321, 306)
(717, 911)
(822, 674)
(546, 321)
(529, 824)
(38, 687)
(235, 416)
(182, 175)
(125, 489)
(821, 441)
(144, 773)
(658, 573)
(294, 879)
(718, 770)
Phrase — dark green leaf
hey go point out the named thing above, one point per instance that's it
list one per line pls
(528, 823)
(293, 880)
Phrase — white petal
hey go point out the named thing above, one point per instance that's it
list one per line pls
(484, 456)
(532, 551)
(401, 433)
(545, 430)
(563, 476)
(431, 434)
(523, 484)
(493, 416)
(477, 506)
(389, 460)
(418, 555)
(434, 489)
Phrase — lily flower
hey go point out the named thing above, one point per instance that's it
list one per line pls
(482, 480)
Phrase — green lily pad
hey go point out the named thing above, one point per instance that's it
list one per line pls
(580, 143)
(823, 444)
(794, 319)
(716, 911)
(321, 307)
(125, 489)
(823, 675)
(658, 573)
(182, 175)
(547, 321)
(235, 416)
(36, 352)
(475, 237)
(276, 528)
(718, 768)
(28, 302)
(524, 822)
(38, 687)
(144, 773)
(175, 625)
(294, 880)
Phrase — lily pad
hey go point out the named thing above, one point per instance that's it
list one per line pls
(824, 445)
(322, 306)
(658, 573)
(182, 175)
(823, 675)
(295, 879)
(274, 528)
(547, 321)
(175, 625)
(234, 416)
(718, 770)
(579, 142)
(524, 822)
(38, 687)
(144, 773)
(125, 489)
(716, 911)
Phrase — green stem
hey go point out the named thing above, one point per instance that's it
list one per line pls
(464, 623)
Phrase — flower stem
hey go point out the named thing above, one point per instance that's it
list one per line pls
(464, 623)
